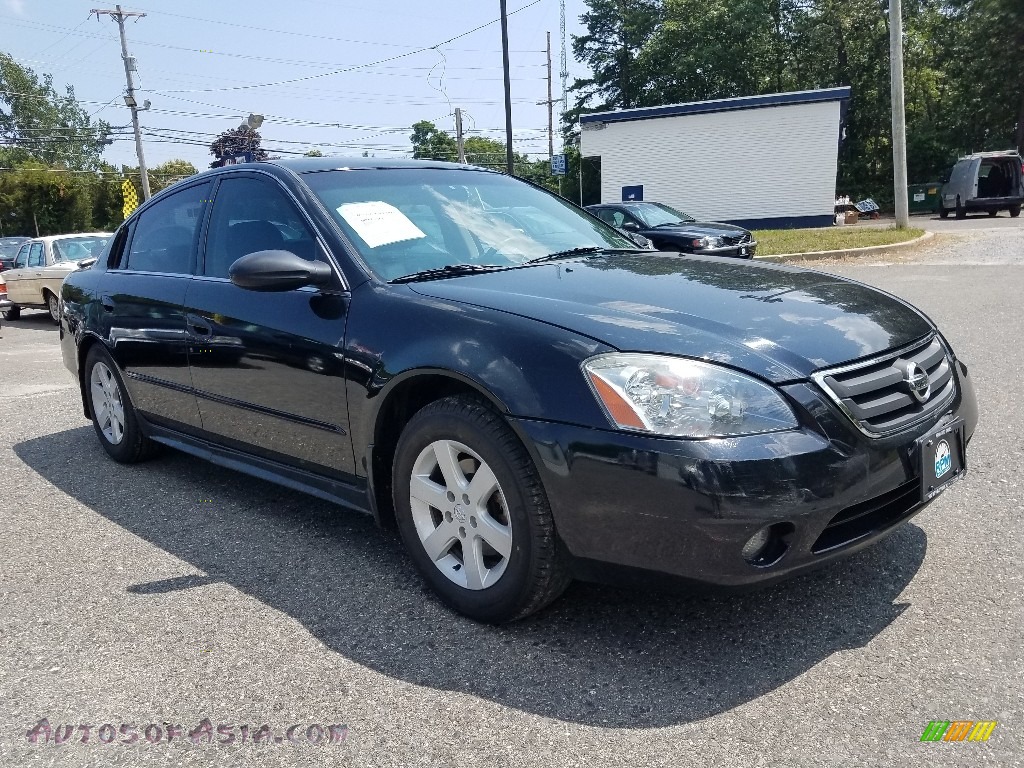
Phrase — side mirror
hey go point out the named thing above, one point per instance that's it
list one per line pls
(277, 271)
(630, 226)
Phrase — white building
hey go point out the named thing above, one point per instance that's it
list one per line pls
(759, 161)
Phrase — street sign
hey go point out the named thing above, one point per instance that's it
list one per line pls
(558, 165)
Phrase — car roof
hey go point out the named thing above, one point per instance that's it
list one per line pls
(1006, 153)
(312, 164)
(51, 238)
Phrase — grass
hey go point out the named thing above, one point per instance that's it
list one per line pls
(774, 241)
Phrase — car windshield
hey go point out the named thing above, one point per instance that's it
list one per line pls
(408, 220)
(658, 215)
(77, 248)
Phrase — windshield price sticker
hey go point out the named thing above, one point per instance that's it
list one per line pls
(379, 223)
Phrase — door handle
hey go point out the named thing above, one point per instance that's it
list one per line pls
(107, 303)
(198, 326)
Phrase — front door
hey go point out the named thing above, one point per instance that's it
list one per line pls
(267, 366)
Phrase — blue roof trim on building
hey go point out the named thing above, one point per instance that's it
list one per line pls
(720, 105)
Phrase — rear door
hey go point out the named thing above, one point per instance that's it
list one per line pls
(143, 290)
(268, 366)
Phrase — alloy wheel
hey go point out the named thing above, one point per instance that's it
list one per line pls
(460, 514)
(107, 403)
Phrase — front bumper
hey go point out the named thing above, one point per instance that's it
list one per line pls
(686, 507)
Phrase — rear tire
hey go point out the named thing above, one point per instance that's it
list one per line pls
(12, 314)
(1015, 211)
(53, 305)
(113, 416)
(473, 514)
(993, 214)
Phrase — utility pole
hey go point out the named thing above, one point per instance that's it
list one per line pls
(508, 91)
(458, 135)
(551, 125)
(129, 66)
(899, 125)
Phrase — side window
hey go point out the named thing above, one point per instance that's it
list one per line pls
(252, 215)
(116, 255)
(35, 256)
(21, 260)
(611, 216)
(166, 233)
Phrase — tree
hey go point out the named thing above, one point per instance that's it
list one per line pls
(313, 153)
(170, 172)
(36, 123)
(429, 143)
(237, 141)
(617, 31)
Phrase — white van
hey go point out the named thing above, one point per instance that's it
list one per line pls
(987, 181)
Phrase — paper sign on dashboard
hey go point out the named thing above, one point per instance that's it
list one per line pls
(379, 223)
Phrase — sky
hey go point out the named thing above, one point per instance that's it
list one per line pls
(344, 76)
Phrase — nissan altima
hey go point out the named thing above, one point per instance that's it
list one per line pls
(511, 383)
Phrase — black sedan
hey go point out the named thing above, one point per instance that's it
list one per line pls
(511, 383)
(672, 230)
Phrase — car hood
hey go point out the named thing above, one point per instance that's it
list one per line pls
(780, 323)
(696, 229)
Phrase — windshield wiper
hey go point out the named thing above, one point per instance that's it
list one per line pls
(448, 270)
(670, 224)
(565, 254)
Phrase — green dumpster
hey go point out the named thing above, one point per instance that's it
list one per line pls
(923, 198)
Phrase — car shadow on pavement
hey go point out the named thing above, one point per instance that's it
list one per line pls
(599, 656)
(31, 321)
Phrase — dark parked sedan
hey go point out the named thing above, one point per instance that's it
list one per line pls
(512, 384)
(672, 230)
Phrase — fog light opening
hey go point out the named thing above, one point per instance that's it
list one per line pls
(766, 547)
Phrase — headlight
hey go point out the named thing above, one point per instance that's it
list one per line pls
(684, 398)
(708, 242)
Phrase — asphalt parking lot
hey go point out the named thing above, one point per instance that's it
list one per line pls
(175, 592)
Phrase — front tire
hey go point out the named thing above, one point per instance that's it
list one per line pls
(113, 416)
(473, 514)
(53, 306)
(1015, 211)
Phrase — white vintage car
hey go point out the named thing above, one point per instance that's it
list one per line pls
(41, 266)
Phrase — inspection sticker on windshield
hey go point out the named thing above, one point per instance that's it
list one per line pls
(379, 223)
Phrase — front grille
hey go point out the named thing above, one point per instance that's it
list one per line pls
(736, 239)
(876, 396)
(869, 517)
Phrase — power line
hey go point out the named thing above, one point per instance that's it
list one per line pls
(356, 67)
(315, 37)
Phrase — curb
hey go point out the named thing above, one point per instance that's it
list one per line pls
(866, 251)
